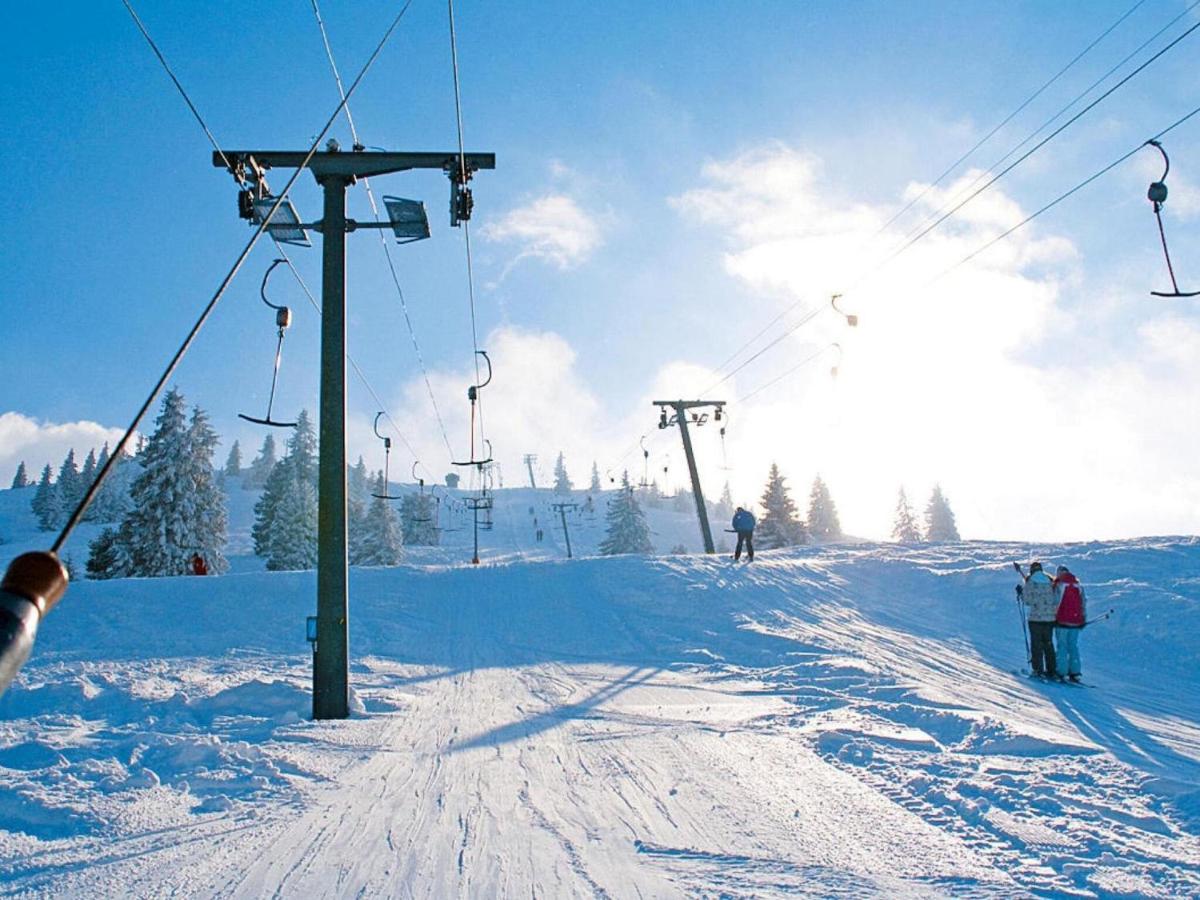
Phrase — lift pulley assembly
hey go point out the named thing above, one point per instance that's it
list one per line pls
(283, 321)
(1157, 195)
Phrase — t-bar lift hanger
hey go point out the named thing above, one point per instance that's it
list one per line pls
(283, 320)
(387, 455)
(473, 396)
(1157, 195)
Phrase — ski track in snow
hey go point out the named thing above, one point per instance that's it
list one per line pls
(836, 721)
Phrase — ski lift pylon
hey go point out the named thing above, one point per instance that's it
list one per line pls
(283, 321)
(1157, 195)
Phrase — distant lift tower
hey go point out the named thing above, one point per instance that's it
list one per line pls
(475, 504)
(682, 410)
(335, 171)
(530, 459)
(561, 509)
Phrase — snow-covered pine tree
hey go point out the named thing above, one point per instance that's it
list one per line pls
(594, 486)
(382, 537)
(261, 466)
(626, 529)
(86, 476)
(357, 496)
(158, 534)
(778, 526)
(724, 509)
(233, 462)
(68, 484)
(416, 518)
(21, 478)
(46, 504)
(653, 495)
(112, 500)
(684, 501)
(562, 481)
(939, 518)
(299, 466)
(207, 499)
(823, 522)
(292, 540)
(905, 528)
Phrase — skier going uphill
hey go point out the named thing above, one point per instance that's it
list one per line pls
(743, 524)
(1042, 601)
(1070, 619)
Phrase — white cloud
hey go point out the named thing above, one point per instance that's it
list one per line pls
(1038, 422)
(38, 443)
(552, 228)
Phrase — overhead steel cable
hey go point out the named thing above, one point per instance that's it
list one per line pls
(774, 381)
(804, 321)
(1012, 115)
(206, 312)
(350, 359)
(1059, 114)
(387, 250)
(1061, 197)
(1075, 118)
(462, 162)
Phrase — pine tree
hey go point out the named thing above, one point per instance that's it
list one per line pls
(684, 501)
(778, 526)
(724, 508)
(46, 504)
(298, 467)
(626, 529)
(905, 530)
(293, 535)
(595, 486)
(158, 534)
(70, 491)
(939, 519)
(21, 478)
(823, 522)
(261, 466)
(416, 517)
(112, 500)
(382, 536)
(562, 481)
(105, 559)
(233, 463)
(86, 476)
(206, 500)
(357, 496)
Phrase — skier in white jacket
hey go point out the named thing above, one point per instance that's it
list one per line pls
(1042, 603)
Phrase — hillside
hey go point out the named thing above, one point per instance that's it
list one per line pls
(827, 721)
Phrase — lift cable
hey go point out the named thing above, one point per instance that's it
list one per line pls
(466, 224)
(1059, 114)
(1057, 200)
(350, 359)
(1059, 130)
(179, 87)
(206, 312)
(387, 250)
(942, 214)
(987, 137)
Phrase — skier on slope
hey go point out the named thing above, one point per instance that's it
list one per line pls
(1039, 596)
(743, 524)
(1069, 621)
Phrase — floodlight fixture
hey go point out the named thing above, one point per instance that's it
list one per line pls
(407, 218)
(285, 225)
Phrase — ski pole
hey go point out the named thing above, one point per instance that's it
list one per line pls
(1099, 618)
(1024, 627)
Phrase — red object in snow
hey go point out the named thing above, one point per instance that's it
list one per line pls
(199, 566)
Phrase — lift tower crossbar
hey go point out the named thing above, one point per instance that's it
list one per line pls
(680, 418)
(335, 171)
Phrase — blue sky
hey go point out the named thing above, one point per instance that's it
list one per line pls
(669, 178)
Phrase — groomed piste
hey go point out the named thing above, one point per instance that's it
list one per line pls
(844, 720)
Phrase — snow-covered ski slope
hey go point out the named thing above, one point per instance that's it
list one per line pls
(825, 722)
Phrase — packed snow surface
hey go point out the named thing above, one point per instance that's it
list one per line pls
(838, 721)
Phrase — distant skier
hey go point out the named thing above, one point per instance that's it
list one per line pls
(743, 524)
(1071, 617)
(199, 566)
(1039, 596)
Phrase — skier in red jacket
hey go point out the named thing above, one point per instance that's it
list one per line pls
(1072, 616)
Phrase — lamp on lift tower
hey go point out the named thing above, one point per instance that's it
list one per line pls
(408, 219)
(285, 224)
